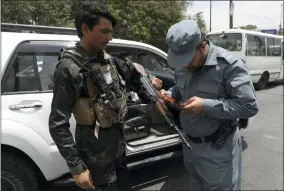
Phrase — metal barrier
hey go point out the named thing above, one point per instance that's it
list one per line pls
(9, 27)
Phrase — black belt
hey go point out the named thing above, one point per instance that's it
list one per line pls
(207, 139)
(114, 125)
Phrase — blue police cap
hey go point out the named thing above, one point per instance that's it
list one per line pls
(182, 39)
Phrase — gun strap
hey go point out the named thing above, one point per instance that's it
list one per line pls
(92, 91)
(117, 82)
(99, 79)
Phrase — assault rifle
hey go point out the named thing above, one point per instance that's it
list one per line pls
(154, 96)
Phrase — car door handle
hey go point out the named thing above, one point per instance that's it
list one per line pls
(23, 105)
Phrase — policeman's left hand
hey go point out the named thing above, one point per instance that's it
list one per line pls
(157, 83)
(193, 105)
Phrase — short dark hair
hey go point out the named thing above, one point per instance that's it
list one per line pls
(90, 12)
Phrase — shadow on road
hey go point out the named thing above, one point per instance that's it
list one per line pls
(271, 85)
(167, 175)
(244, 144)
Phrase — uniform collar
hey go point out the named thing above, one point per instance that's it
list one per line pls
(86, 53)
(211, 59)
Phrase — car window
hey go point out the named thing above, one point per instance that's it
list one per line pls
(34, 67)
(147, 59)
(46, 64)
(22, 76)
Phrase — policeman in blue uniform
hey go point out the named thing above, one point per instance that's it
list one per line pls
(216, 91)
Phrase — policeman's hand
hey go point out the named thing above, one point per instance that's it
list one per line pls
(193, 105)
(84, 180)
(157, 83)
(162, 92)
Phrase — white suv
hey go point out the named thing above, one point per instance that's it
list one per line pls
(28, 152)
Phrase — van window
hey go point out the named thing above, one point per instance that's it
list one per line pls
(255, 45)
(273, 47)
(282, 50)
(229, 41)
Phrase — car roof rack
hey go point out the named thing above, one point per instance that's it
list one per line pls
(10, 27)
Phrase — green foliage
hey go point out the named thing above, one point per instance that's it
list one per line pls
(249, 27)
(145, 21)
(50, 13)
(199, 18)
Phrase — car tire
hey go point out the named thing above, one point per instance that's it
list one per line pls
(16, 174)
(262, 83)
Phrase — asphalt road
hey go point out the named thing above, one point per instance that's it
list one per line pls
(262, 152)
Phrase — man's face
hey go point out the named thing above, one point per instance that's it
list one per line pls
(198, 59)
(196, 62)
(99, 37)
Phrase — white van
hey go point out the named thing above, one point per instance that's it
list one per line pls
(262, 52)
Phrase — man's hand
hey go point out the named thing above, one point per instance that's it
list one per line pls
(157, 83)
(170, 102)
(162, 93)
(84, 180)
(193, 105)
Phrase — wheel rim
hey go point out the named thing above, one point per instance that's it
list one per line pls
(7, 185)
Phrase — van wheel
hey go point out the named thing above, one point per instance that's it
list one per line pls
(262, 83)
(16, 174)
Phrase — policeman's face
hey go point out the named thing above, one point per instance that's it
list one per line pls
(198, 59)
(99, 36)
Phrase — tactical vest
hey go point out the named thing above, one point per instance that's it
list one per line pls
(107, 101)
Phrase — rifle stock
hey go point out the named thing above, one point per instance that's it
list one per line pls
(153, 95)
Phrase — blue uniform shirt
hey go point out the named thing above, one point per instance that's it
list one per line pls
(225, 85)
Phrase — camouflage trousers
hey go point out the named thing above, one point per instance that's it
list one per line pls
(104, 156)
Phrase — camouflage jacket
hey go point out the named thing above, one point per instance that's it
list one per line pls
(67, 87)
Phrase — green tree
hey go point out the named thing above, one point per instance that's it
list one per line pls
(249, 27)
(145, 21)
(50, 13)
(199, 18)
(13, 11)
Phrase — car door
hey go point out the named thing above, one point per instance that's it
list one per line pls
(27, 85)
(155, 65)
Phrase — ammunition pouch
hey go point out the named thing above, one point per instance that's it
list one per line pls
(84, 112)
(106, 115)
(107, 102)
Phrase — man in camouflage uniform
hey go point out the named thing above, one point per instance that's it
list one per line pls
(97, 160)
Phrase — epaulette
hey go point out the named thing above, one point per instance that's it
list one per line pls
(222, 53)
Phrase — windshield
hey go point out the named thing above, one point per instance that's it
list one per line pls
(229, 41)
